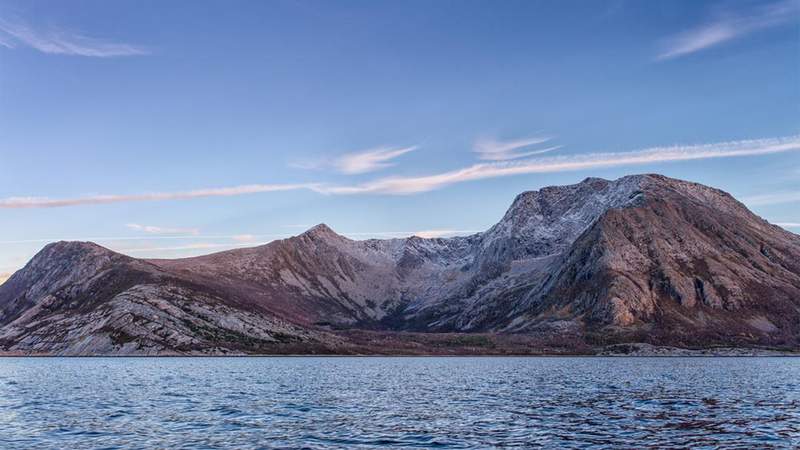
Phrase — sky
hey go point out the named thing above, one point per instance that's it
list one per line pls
(172, 129)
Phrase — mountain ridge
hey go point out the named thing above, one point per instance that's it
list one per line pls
(644, 258)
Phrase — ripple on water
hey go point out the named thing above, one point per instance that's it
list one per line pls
(399, 402)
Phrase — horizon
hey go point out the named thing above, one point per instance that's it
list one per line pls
(159, 137)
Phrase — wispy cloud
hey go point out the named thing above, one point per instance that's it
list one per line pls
(62, 42)
(211, 243)
(358, 162)
(411, 185)
(6, 42)
(234, 237)
(177, 248)
(728, 27)
(239, 239)
(429, 234)
(404, 234)
(247, 240)
(370, 160)
(162, 230)
(45, 202)
(772, 198)
(788, 224)
(489, 149)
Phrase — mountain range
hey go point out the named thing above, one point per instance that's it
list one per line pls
(643, 259)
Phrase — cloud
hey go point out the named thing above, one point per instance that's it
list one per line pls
(197, 246)
(243, 239)
(358, 162)
(489, 149)
(162, 230)
(5, 42)
(4, 277)
(404, 234)
(788, 224)
(772, 198)
(140, 238)
(412, 185)
(430, 234)
(62, 42)
(370, 160)
(45, 202)
(152, 250)
(249, 240)
(728, 27)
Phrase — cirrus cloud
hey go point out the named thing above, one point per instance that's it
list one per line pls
(412, 185)
(370, 160)
(425, 183)
(728, 27)
(489, 149)
(62, 42)
(358, 162)
(162, 230)
(772, 198)
(46, 202)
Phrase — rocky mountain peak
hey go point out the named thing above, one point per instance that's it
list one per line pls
(57, 266)
(321, 231)
(70, 252)
(545, 222)
(64, 260)
(662, 188)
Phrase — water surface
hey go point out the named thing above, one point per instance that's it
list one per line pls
(432, 402)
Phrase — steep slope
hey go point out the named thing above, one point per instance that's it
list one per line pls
(517, 254)
(686, 265)
(644, 258)
(79, 298)
(318, 276)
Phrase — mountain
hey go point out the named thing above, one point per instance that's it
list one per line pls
(642, 259)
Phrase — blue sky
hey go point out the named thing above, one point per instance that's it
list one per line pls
(170, 129)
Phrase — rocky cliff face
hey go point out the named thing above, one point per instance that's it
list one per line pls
(687, 264)
(640, 259)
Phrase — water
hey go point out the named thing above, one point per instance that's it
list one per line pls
(399, 402)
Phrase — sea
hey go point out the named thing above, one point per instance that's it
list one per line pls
(399, 402)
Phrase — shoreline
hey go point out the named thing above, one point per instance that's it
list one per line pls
(638, 351)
